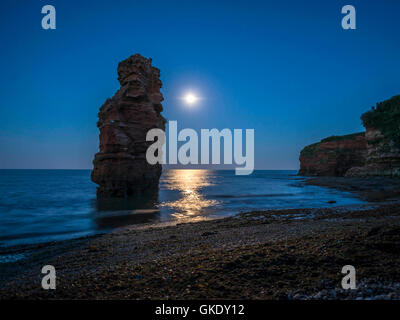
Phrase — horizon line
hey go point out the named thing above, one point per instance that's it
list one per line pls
(167, 169)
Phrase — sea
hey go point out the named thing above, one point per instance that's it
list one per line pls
(52, 205)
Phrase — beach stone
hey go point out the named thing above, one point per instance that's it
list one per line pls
(120, 167)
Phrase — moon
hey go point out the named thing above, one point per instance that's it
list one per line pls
(190, 98)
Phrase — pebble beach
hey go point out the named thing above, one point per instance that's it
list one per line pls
(275, 254)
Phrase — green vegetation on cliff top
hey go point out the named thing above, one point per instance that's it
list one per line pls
(385, 117)
(311, 149)
(341, 138)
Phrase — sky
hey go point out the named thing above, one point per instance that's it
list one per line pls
(286, 69)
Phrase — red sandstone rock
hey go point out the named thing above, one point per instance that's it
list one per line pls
(120, 167)
(333, 156)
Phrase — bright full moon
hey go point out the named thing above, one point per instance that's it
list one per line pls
(190, 98)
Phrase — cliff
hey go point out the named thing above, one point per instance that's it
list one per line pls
(373, 153)
(120, 167)
(333, 156)
(382, 134)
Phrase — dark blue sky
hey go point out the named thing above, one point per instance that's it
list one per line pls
(285, 68)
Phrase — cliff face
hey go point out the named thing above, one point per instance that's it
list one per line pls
(383, 157)
(375, 153)
(120, 167)
(382, 125)
(333, 156)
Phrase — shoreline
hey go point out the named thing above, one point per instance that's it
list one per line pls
(287, 243)
(370, 189)
(271, 254)
(101, 223)
(26, 248)
(366, 193)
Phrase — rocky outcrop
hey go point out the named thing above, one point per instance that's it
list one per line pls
(333, 156)
(382, 125)
(375, 153)
(120, 167)
(383, 157)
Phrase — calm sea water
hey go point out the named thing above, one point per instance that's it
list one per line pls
(48, 205)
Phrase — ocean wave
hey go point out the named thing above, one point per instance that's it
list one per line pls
(254, 195)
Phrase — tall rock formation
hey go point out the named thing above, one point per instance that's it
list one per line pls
(373, 153)
(333, 156)
(120, 167)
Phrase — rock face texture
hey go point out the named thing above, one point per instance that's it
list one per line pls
(383, 159)
(120, 167)
(333, 156)
(375, 153)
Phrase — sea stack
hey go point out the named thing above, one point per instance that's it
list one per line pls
(120, 167)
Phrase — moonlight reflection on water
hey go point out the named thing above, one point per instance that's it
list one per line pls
(191, 203)
(50, 205)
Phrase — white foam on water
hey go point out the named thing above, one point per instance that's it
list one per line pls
(11, 257)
